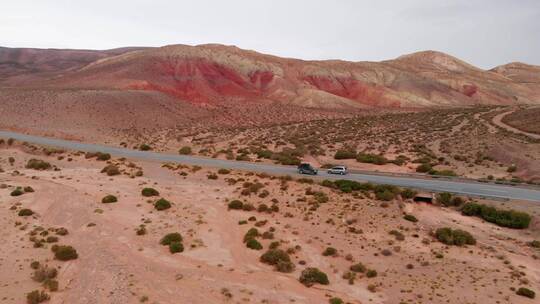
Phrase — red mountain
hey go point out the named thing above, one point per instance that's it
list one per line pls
(217, 74)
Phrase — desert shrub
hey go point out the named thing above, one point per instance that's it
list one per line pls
(252, 233)
(162, 204)
(503, 218)
(141, 230)
(43, 273)
(262, 208)
(328, 183)
(526, 292)
(28, 189)
(345, 154)
(38, 164)
(320, 197)
(511, 169)
(349, 186)
(534, 244)
(442, 172)
(336, 301)
(109, 199)
(148, 192)
(371, 158)
(285, 267)
(65, 253)
(358, 267)
(61, 231)
(52, 285)
(111, 170)
(185, 151)
(212, 176)
(386, 192)
(175, 247)
(444, 198)
(170, 238)
(408, 193)
(371, 273)
(25, 212)
(410, 218)
(36, 297)
(17, 192)
(254, 244)
(273, 256)
(398, 235)
(312, 275)
(103, 156)
(248, 207)
(264, 154)
(454, 237)
(424, 168)
(145, 147)
(224, 171)
(52, 239)
(329, 251)
(236, 205)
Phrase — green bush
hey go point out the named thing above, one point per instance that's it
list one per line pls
(345, 154)
(25, 212)
(504, 218)
(371, 273)
(273, 256)
(254, 244)
(424, 168)
(534, 244)
(17, 192)
(526, 292)
(185, 151)
(410, 218)
(286, 267)
(145, 147)
(162, 204)
(358, 267)
(109, 199)
(103, 156)
(28, 189)
(170, 238)
(312, 275)
(336, 301)
(236, 205)
(329, 251)
(444, 198)
(175, 247)
(65, 253)
(371, 159)
(111, 170)
(224, 171)
(251, 234)
(148, 192)
(36, 297)
(408, 193)
(38, 164)
(454, 237)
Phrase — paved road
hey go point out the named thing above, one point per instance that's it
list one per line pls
(458, 187)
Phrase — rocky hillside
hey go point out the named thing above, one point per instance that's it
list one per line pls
(217, 74)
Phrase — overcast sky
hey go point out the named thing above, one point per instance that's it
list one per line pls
(485, 33)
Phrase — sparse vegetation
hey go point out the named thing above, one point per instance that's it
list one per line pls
(162, 204)
(456, 237)
(38, 164)
(185, 151)
(526, 292)
(149, 192)
(109, 199)
(312, 275)
(503, 218)
(64, 253)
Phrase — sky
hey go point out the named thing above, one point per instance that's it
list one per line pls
(485, 33)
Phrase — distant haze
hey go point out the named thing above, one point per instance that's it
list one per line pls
(485, 33)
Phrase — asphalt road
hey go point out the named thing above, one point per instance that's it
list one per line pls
(437, 185)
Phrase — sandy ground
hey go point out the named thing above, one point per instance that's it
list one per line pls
(115, 265)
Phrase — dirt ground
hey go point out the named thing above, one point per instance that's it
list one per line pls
(116, 265)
